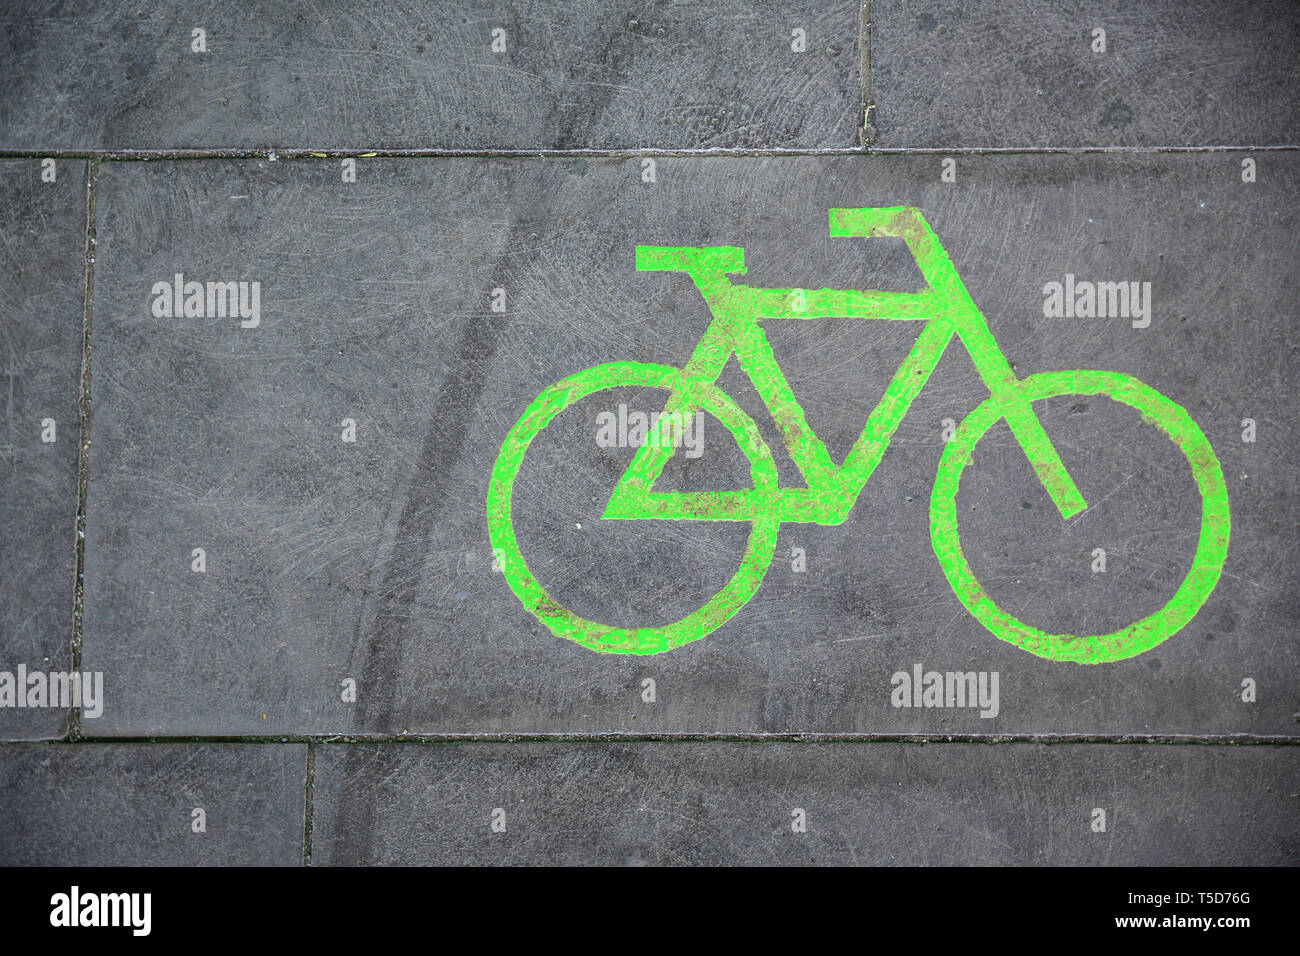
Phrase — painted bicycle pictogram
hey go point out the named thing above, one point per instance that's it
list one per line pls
(739, 313)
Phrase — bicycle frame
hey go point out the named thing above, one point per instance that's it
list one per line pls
(738, 315)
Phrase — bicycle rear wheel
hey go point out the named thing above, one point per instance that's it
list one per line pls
(1140, 636)
(605, 638)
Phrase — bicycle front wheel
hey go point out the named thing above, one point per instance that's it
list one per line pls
(1140, 636)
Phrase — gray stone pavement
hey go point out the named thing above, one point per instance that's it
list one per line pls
(787, 804)
(329, 560)
(1027, 75)
(152, 804)
(559, 74)
(285, 509)
(42, 291)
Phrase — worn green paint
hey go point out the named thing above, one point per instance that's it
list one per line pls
(739, 313)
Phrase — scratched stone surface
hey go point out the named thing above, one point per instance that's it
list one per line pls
(396, 74)
(288, 507)
(735, 803)
(328, 561)
(1025, 74)
(133, 804)
(42, 278)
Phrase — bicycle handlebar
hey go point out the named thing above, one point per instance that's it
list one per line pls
(901, 222)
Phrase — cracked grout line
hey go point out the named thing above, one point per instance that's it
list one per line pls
(310, 780)
(802, 738)
(146, 155)
(83, 445)
(866, 132)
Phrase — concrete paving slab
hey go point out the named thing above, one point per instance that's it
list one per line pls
(42, 278)
(478, 75)
(349, 586)
(1033, 75)
(790, 804)
(152, 804)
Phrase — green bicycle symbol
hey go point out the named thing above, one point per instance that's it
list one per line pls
(737, 327)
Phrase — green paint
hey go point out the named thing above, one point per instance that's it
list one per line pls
(739, 313)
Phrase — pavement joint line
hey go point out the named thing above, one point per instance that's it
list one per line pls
(83, 447)
(282, 153)
(865, 106)
(310, 781)
(311, 741)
